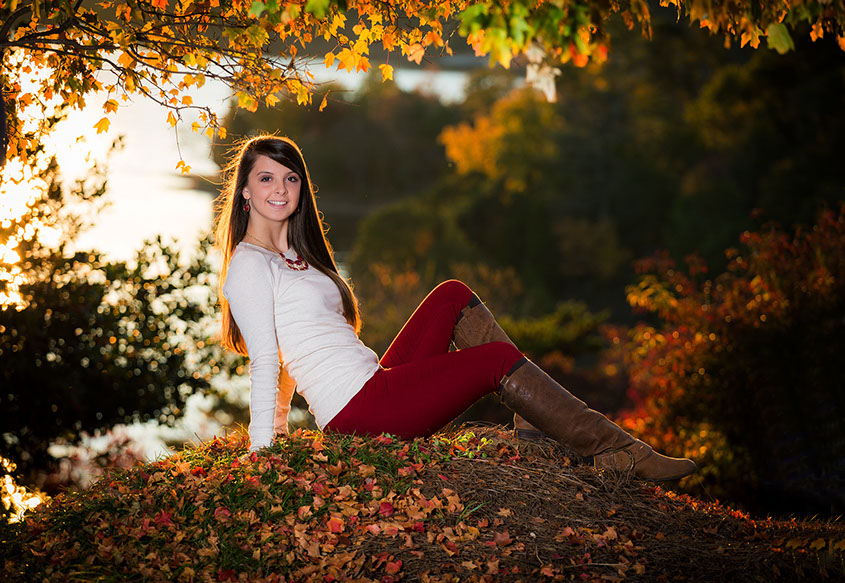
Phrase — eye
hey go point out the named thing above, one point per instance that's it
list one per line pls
(293, 178)
(266, 178)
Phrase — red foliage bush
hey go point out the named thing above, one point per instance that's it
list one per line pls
(743, 374)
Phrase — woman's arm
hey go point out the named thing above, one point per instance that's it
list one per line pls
(283, 398)
(249, 291)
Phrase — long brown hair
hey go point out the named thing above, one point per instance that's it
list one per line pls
(306, 230)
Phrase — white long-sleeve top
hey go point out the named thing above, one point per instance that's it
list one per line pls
(295, 334)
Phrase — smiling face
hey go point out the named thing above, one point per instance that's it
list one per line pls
(273, 194)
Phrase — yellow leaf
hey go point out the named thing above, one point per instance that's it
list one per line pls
(102, 125)
(222, 133)
(386, 72)
(347, 59)
(180, 165)
(247, 102)
(841, 41)
(126, 60)
(329, 60)
(110, 105)
(195, 127)
(271, 100)
(819, 543)
(171, 119)
(187, 100)
(325, 101)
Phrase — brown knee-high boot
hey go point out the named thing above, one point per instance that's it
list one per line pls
(478, 326)
(559, 414)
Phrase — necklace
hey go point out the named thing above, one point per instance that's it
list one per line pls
(298, 264)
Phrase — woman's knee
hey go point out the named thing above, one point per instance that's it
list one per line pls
(454, 290)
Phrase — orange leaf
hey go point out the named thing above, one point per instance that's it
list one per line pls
(348, 60)
(393, 568)
(126, 60)
(102, 125)
(335, 524)
(416, 52)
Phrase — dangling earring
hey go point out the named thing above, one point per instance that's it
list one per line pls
(246, 205)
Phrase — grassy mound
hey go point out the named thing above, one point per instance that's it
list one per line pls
(469, 506)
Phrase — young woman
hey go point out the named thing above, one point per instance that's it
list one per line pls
(286, 307)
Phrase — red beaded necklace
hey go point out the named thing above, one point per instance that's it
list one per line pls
(298, 264)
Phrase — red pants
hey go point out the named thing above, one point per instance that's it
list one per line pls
(422, 386)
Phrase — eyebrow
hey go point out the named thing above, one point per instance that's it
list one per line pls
(271, 173)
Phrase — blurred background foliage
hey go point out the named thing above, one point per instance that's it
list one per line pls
(674, 146)
(89, 343)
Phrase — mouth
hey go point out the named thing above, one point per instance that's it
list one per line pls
(278, 203)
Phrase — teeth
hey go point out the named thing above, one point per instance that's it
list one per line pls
(276, 203)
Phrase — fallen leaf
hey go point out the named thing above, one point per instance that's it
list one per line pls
(393, 568)
(502, 539)
(385, 509)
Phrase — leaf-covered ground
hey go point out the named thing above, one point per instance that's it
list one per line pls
(468, 506)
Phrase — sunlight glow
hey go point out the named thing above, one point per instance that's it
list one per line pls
(17, 498)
